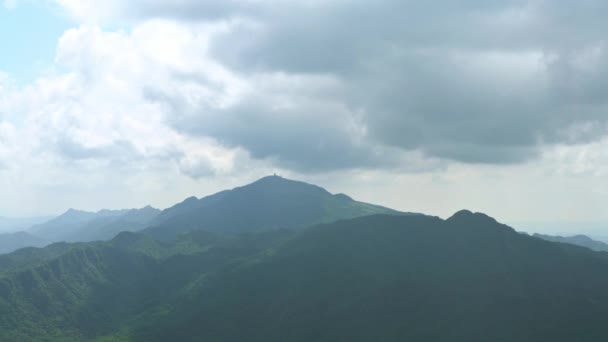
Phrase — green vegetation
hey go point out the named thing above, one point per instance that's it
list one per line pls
(386, 278)
(245, 265)
(374, 278)
(93, 290)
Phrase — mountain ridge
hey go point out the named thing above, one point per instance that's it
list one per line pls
(280, 260)
(271, 202)
(80, 226)
(577, 240)
(10, 242)
(376, 277)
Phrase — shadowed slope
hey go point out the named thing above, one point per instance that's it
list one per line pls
(391, 278)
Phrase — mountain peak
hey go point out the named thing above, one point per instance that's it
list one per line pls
(343, 197)
(190, 199)
(467, 215)
(74, 212)
(273, 179)
(277, 182)
(461, 214)
(271, 202)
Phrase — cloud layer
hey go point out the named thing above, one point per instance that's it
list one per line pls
(342, 84)
(218, 88)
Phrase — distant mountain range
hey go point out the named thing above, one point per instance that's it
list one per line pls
(75, 225)
(270, 203)
(579, 240)
(12, 241)
(263, 274)
(14, 224)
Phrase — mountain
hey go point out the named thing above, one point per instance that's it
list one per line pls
(391, 278)
(579, 240)
(373, 278)
(76, 292)
(106, 228)
(75, 225)
(66, 224)
(270, 203)
(12, 225)
(28, 257)
(10, 242)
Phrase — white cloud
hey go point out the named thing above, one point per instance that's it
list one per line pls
(10, 4)
(92, 124)
(91, 11)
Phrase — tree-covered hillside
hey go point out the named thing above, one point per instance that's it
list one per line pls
(374, 278)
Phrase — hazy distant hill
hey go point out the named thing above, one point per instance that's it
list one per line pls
(12, 225)
(579, 240)
(67, 224)
(270, 203)
(106, 228)
(374, 278)
(10, 242)
(77, 225)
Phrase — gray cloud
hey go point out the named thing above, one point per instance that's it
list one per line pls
(74, 150)
(472, 81)
(185, 9)
(311, 133)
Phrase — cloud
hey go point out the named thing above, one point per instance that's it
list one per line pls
(394, 102)
(290, 119)
(96, 114)
(10, 4)
(7, 132)
(330, 85)
(483, 83)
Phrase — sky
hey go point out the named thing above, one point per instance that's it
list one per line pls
(493, 106)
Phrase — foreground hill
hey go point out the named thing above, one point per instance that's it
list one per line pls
(389, 278)
(78, 292)
(270, 203)
(374, 278)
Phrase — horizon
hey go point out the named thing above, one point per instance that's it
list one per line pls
(595, 230)
(121, 105)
